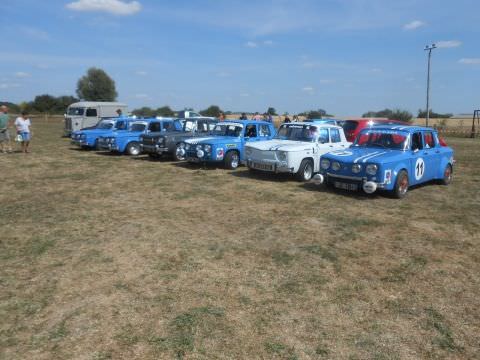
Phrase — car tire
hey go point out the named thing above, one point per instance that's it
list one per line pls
(447, 175)
(401, 185)
(305, 171)
(175, 155)
(133, 149)
(232, 160)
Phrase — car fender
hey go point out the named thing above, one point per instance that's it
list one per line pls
(402, 165)
(446, 160)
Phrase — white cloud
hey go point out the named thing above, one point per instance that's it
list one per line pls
(326, 81)
(251, 44)
(308, 89)
(6, 86)
(268, 42)
(414, 25)
(115, 7)
(35, 33)
(141, 73)
(448, 44)
(470, 61)
(142, 96)
(244, 94)
(21, 74)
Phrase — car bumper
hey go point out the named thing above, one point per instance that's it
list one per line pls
(108, 147)
(153, 149)
(351, 183)
(270, 166)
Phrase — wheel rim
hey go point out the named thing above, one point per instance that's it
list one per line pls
(448, 174)
(403, 186)
(134, 150)
(234, 162)
(180, 153)
(307, 172)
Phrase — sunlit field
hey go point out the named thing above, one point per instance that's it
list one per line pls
(112, 257)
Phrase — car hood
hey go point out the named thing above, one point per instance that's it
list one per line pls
(281, 145)
(126, 133)
(213, 140)
(364, 155)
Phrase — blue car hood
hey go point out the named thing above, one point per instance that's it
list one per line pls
(365, 154)
(94, 132)
(126, 133)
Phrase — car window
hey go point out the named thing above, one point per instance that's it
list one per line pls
(349, 125)
(428, 139)
(91, 112)
(121, 125)
(264, 130)
(335, 135)
(211, 125)
(154, 126)
(167, 126)
(251, 131)
(323, 136)
(202, 126)
(417, 141)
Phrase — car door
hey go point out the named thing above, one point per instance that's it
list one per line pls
(432, 154)
(417, 173)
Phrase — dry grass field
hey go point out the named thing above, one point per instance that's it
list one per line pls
(111, 257)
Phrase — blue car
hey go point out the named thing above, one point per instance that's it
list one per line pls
(88, 138)
(128, 141)
(226, 142)
(388, 157)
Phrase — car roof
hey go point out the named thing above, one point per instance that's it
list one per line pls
(245, 122)
(324, 125)
(407, 128)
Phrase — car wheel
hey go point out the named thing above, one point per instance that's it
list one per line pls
(133, 148)
(232, 160)
(305, 171)
(447, 175)
(401, 185)
(179, 153)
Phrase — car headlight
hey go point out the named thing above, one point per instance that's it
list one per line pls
(161, 140)
(282, 155)
(356, 168)
(187, 146)
(325, 164)
(199, 147)
(208, 148)
(336, 165)
(371, 169)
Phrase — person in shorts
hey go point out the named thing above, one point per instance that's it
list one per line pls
(5, 145)
(23, 124)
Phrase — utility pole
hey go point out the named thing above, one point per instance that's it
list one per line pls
(428, 48)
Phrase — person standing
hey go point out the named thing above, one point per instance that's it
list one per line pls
(221, 117)
(119, 113)
(5, 144)
(243, 117)
(287, 119)
(23, 125)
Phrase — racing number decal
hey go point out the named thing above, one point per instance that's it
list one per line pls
(419, 168)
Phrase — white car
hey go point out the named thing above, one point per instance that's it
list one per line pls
(296, 149)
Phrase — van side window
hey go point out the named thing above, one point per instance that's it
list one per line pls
(335, 135)
(417, 141)
(91, 112)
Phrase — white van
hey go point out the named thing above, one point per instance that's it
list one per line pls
(85, 114)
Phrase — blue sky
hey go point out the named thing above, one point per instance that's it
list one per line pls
(345, 56)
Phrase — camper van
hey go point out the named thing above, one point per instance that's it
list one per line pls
(85, 114)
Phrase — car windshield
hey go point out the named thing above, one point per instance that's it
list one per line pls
(105, 125)
(307, 133)
(228, 130)
(388, 139)
(138, 127)
(75, 111)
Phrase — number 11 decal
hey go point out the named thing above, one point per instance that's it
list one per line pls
(419, 168)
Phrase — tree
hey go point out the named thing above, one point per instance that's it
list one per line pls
(396, 114)
(315, 114)
(165, 111)
(44, 103)
(212, 110)
(271, 111)
(96, 85)
(144, 112)
(12, 108)
(423, 114)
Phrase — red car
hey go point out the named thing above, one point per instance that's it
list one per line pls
(353, 126)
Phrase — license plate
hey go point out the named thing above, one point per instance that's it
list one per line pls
(345, 186)
(262, 166)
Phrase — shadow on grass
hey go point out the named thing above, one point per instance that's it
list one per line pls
(263, 176)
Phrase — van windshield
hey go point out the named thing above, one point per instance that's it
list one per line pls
(75, 111)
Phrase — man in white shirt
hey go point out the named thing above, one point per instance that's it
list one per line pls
(23, 125)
